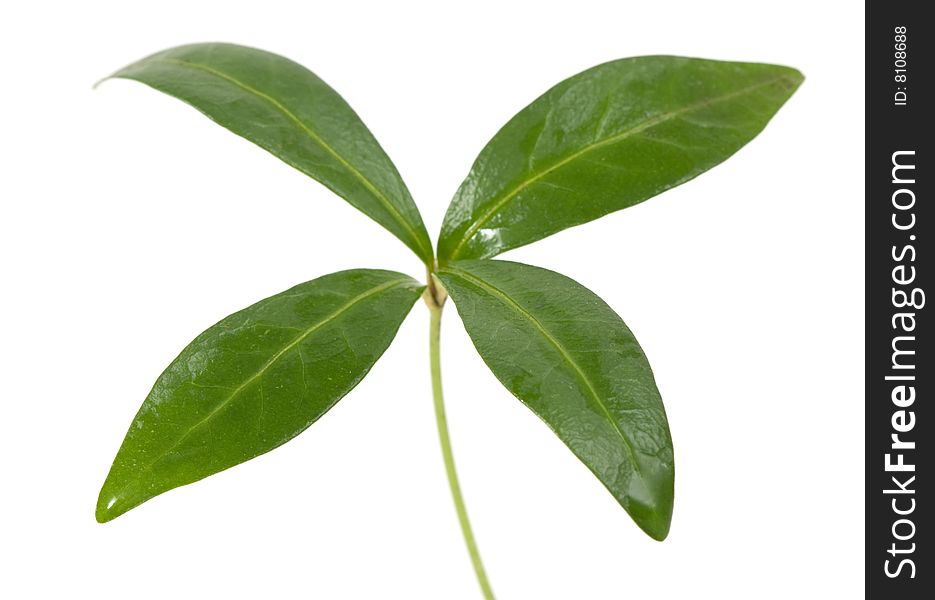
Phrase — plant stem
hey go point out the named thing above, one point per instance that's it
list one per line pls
(442, 422)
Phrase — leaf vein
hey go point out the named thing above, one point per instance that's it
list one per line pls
(380, 196)
(269, 363)
(647, 124)
(563, 352)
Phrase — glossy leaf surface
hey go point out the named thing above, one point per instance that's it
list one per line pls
(605, 139)
(286, 109)
(255, 380)
(568, 356)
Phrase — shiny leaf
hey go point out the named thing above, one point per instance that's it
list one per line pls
(568, 356)
(255, 380)
(286, 109)
(605, 139)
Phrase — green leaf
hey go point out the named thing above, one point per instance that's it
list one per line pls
(287, 110)
(605, 139)
(568, 356)
(255, 380)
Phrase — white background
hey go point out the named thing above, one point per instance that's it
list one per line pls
(130, 223)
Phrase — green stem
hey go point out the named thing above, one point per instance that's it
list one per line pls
(442, 422)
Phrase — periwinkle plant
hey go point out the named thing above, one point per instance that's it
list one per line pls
(600, 141)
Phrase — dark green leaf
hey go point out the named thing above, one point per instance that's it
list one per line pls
(606, 139)
(568, 356)
(286, 109)
(255, 380)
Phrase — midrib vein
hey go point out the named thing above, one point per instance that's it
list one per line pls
(649, 123)
(506, 299)
(384, 201)
(269, 363)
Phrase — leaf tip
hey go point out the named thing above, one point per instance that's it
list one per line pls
(654, 522)
(795, 77)
(657, 527)
(105, 505)
(111, 504)
(650, 502)
(789, 78)
(100, 81)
